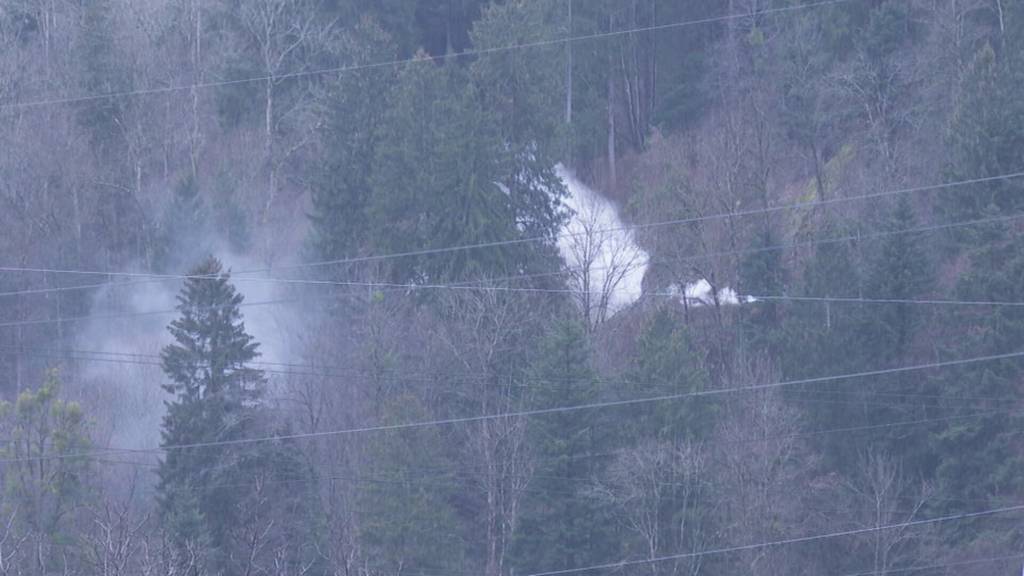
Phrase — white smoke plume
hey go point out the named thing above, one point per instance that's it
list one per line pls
(599, 249)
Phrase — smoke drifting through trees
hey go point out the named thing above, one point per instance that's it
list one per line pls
(441, 229)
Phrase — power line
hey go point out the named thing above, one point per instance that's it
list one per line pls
(785, 542)
(241, 276)
(533, 412)
(971, 562)
(490, 281)
(691, 220)
(784, 246)
(440, 472)
(847, 238)
(138, 359)
(55, 289)
(747, 299)
(924, 301)
(128, 314)
(407, 61)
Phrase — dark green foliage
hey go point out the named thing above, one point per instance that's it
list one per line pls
(985, 139)
(822, 337)
(680, 92)
(408, 493)
(808, 112)
(435, 180)
(901, 270)
(102, 73)
(214, 394)
(522, 93)
(438, 27)
(426, 126)
(563, 526)
(341, 191)
(841, 25)
(665, 362)
(978, 458)
(762, 271)
(185, 234)
(444, 25)
(889, 28)
(883, 335)
(434, 168)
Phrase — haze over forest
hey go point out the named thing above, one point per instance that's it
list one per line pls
(511, 287)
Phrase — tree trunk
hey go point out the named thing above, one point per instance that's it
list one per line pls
(612, 177)
(197, 76)
(1002, 22)
(269, 150)
(819, 177)
(568, 69)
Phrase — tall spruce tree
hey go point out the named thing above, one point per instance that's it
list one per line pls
(821, 339)
(408, 504)
(341, 190)
(666, 362)
(985, 140)
(185, 230)
(436, 182)
(901, 270)
(978, 458)
(563, 528)
(763, 272)
(215, 393)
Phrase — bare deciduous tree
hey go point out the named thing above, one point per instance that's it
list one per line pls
(758, 463)
(884, 496)
(657, 491)
(287, 35)
(117, 535)
(481, 330)
(600, 260)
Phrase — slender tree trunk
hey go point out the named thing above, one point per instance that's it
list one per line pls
(612, 177)
(568, 69)
(448, 44)
(653, 59)
(819, 177)
(1002, 21)
(197, 75)
(269, 149)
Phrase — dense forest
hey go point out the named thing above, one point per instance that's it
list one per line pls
(511, 287)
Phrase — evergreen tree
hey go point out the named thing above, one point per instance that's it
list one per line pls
(901, 270)
(822, 339)
(341, 188)
(407, 499)
(977, 458)
(184, 236)
(102, 73)
(986, 137)
(807, 110)
(562, 527)
(522, 95)
(666, 363)
(821, 335)
(437, 182)
(762, 272)
(214, 399)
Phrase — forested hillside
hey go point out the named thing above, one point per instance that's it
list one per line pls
(511, 287)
